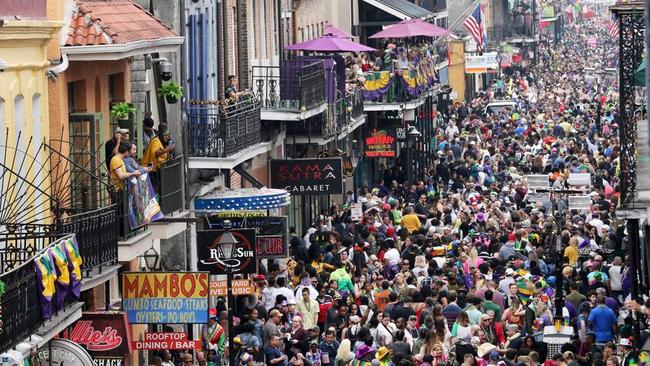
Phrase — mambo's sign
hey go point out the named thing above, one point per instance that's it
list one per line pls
(170, 341)
(166, 297)
(380, 145)
(308, 176)
(101, 334)
(222, 252)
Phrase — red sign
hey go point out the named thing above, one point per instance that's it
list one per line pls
(380, 145)
(101, 334)
(170, 341)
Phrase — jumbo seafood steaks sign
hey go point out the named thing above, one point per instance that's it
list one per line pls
(308, 176)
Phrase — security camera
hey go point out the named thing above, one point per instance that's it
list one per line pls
(3, 65)
(165, 69)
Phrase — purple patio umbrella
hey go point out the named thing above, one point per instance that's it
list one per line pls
(330, 29)
(329, 43)
(411, 28)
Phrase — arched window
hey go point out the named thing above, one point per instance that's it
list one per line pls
(19, 112)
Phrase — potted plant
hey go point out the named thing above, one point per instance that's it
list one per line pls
(172, 91)
(121, 111)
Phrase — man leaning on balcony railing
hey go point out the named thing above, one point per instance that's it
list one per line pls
(118, 170)
(159, 149)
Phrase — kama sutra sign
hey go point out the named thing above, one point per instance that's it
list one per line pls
(101, 334)
(308, 176)
(166, 297)
(380, 144)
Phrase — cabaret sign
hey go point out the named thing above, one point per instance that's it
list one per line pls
(166, 297)
(308, 176)
(223, 251)
(380, 144)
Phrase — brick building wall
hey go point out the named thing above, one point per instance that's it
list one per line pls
(309, 17)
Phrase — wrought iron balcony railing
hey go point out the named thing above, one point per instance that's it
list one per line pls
(21, 303)
(295, 85)
(168, 184)
(221, 129)
(96, 236)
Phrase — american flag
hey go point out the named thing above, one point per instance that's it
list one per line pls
(475, 23)
(613, 28)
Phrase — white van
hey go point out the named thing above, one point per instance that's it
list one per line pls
(498, 107)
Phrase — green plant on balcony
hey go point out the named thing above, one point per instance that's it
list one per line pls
(121, 111)
(172, 91)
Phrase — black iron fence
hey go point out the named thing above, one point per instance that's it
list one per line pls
(96, 236)
(21, 303)
(507, 31)
(302, 85)
(168, 184)
(219, 129)
(349, 108)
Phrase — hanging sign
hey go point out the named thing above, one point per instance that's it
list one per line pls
(239, 287)
(272, 234)
(172, 341)
(222, 252)
(63, 352)
(380, 144)
(308, 176)
(356, 212)
(480, 64)
(101, 334)
(165, 297)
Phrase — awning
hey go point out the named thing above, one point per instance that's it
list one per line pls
(402, 9)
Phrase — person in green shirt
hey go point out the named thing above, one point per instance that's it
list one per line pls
(342, 277)
(488, 304)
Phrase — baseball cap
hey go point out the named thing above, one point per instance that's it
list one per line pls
(510, 271)
(122, 130)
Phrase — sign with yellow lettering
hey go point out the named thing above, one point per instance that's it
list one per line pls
(166, 297)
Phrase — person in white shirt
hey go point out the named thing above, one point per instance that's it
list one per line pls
(451, 131)
(283, 290)
(616, 278)
(385, 331)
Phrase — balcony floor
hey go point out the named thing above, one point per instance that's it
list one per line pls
(291, 115)
(228, 162)
(369, 106)
(134, 247)
(59, 322)
(96, 278)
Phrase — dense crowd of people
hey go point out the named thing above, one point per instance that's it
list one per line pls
(462, 266)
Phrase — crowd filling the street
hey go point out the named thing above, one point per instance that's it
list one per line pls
(461, 266)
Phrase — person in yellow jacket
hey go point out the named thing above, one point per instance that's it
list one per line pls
(571, 250)
(410, 221)
(157, 152)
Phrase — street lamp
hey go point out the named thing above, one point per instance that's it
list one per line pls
(227, 244)
(354, 160)
(151, 258)
(499, 59)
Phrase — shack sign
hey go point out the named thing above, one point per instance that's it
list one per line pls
(240, 257)
(272, 235)
(308, 176)
(380, 144)
(101, 334)
(166, 297)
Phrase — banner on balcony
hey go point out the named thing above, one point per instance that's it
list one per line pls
(103, 335)
(222, 251)
(380, 144)
(166, 297)
(308, 176)
(272, 234)
(58, 270)
(143, 206)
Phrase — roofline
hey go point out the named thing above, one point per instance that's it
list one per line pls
(112, 52)
(397, 12)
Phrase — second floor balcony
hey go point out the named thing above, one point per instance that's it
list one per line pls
(223, 134)
(399, 89)
(293, 91)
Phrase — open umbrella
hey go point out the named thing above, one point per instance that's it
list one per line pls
(329, 43)
(411, 28)
(330, 29)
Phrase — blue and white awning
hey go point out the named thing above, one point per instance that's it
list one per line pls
(247, 199)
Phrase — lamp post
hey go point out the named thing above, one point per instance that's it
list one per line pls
(354, 160)
(499, 59)
(151, 259)
(412, 135)
(227, 244)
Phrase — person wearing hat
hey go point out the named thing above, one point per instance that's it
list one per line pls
(111, 146)
(625, 351)
(384, 356)
(159, 149)
(313, 354)
(214, 335)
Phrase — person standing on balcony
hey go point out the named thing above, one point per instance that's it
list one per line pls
(159, 149)
(117, 167)
(132, 164)
(111, 146)
(232, 92)
(148, 133)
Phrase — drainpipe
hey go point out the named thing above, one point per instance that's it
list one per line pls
(55, 71)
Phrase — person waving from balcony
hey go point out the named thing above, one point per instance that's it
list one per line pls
(118, 168)
(159, 149)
